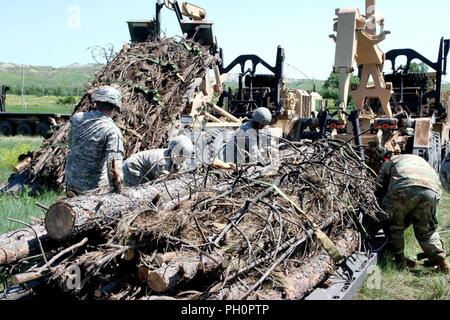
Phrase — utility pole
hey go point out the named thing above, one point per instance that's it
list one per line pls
(24, 105)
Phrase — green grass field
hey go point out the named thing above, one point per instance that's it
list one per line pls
(34, 104)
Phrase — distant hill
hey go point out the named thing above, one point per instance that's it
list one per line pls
(447, 87)
(45, 80)
(304, 84)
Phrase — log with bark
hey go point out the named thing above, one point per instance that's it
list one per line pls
(21, 244)
(216, 235)
(179, 268)
(79, 215)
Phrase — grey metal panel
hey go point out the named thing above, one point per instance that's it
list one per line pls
(342, 289)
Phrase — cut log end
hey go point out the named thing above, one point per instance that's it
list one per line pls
(59, 221)
(156, 282)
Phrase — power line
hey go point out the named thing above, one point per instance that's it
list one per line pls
(297, 69)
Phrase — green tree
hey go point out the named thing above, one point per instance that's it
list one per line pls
(418, 67)
(330, 89)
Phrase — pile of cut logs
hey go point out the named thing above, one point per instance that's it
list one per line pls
(249, 233)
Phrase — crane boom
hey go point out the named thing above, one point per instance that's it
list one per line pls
(357, 40)
(187, 9)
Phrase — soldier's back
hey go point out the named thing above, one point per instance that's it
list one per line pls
(146, 166)
(413, 171)
(86, 167)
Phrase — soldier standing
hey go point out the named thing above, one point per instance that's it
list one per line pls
(150, 165)
(96, 146)
(411, 192)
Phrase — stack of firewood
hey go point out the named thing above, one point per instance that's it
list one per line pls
(157, 79)
(249, 233)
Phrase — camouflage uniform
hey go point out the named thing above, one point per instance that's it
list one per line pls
(146, 166)
(249, 146)
(413, 195)
(94, 141)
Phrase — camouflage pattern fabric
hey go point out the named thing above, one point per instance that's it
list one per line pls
(94, 141)
(416, 206)
(146, 166)
(409, 171)
(413, 195)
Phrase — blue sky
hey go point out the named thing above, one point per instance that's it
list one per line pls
(40, 32)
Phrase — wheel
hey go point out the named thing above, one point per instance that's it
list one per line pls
(42, 129)
(24, 129)
(6, 128)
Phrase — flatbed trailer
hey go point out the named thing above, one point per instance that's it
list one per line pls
(29, 124)
(26, 124)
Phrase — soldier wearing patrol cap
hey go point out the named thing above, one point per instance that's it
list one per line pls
(251, 143)
(411, 191)
(96, 146)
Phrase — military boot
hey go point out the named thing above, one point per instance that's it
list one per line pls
(440, 262)
(443, 265)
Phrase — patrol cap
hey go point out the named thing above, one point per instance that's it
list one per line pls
(182, 148)
(109, 95)
(263, 116)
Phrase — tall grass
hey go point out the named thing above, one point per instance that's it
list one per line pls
(418, 284)
(21, 207)
(10, 149)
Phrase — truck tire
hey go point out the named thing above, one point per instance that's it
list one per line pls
(6, 128)
(42, 129)
(24, 129)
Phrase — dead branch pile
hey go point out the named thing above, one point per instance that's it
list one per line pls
(249, 234)
(157, 79)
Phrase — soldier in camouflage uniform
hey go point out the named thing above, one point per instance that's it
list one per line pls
(96, 146)
(251, 143)
(412, 191)
(150, 165)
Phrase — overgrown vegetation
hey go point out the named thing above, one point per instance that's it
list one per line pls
(330, 89)
(64, 101)
(10, 149)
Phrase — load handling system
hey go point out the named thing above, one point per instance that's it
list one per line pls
(404, 112)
